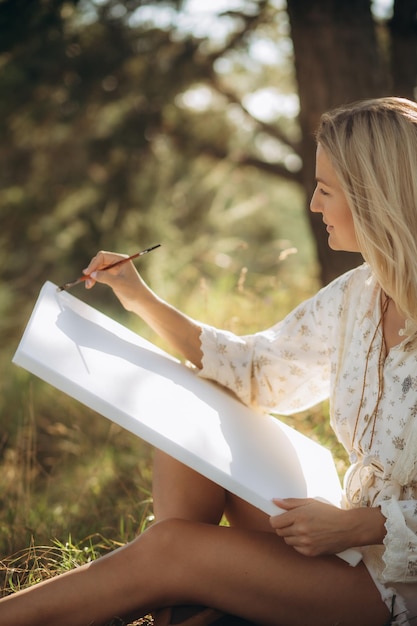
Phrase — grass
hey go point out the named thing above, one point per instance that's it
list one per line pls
(37, 563)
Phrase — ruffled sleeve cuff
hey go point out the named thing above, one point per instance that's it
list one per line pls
(400, 555)
(218, 364)
(208, 338)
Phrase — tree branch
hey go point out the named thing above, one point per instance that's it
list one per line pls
(270, 129)
(239, 157)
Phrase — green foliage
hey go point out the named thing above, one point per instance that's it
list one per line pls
(103, 147)
(100, 150)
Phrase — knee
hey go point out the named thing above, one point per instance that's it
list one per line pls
(161, 545)
(167, 536)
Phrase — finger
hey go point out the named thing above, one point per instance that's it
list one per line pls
(306, 550)
(303, 547)
(94, 263)
(101, 259)
(293, 538)
(280, 522)
(106, 277)
(291, 503)
(286, 533)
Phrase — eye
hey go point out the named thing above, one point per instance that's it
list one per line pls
(319, 189)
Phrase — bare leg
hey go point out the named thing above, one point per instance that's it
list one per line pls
(248, 573)
(241, 571)
(180, 492)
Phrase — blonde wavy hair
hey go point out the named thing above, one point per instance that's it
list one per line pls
(372, 145)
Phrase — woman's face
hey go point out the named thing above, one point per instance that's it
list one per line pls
(329, 200)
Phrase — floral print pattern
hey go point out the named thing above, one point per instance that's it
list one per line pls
(331, 347)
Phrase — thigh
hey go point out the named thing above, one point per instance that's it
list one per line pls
(257, 576)
(182, 493)
(241, 514)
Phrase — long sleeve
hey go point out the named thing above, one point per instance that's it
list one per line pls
(283, 369)
(290, 366)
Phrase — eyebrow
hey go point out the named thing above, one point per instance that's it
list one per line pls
(322, 181)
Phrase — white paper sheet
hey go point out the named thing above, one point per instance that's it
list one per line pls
(117, 373)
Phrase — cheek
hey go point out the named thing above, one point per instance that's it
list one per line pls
(351, 232)
(350, 222)
(346, 216)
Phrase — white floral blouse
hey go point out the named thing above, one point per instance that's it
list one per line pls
(331, 346)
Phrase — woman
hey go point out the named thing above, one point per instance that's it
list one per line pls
(355, 342)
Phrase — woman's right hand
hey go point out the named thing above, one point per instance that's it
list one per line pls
(182, 332)
(123, 279)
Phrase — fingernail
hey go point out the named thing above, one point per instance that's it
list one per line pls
(93, 275)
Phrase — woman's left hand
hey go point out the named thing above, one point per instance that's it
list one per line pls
(312, 527)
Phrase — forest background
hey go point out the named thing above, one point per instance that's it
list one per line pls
(125, 124)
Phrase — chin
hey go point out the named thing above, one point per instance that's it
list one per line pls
(337, 247)
(333, 244)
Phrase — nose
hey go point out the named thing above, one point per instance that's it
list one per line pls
(315, 204)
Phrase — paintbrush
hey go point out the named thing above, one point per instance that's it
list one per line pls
(84, 277)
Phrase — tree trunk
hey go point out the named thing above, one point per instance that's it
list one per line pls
(403, 29)
(337, 60)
